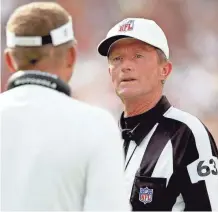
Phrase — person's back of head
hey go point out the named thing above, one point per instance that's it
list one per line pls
(40, 37)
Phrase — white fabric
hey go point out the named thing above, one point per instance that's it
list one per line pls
(142, 29)
(164, 165)
(13, 40)
(179, 204)
(59, 36)
(58, 154)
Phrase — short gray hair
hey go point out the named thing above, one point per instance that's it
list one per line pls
(161, 56)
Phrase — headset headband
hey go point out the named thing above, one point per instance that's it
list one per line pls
(56, 37)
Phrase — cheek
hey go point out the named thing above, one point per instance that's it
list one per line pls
(113, 74)
(148, 74)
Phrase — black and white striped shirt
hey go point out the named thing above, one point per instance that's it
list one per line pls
(171, 161)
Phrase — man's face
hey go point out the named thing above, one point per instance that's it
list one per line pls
(135, 68)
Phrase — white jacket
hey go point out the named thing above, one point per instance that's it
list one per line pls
(58, 153)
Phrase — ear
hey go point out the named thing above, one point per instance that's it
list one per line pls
(166, 70)
(71, 57)
(109, 65)
(109, 70)
(9, 61)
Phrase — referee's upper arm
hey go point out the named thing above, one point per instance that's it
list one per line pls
(203, 172)
(199, 178)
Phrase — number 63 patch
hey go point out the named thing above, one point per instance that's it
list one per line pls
(203, 168)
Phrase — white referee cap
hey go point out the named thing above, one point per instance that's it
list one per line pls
(56, 37)
(139, 28)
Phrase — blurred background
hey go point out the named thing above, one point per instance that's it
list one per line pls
(192, 31)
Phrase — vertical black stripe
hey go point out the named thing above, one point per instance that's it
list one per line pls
(180, 136)
(162, 135)
(153, 151)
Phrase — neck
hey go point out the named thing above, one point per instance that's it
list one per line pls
(50, 71)
(141, 105)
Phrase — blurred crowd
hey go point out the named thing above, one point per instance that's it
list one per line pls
(192, 31)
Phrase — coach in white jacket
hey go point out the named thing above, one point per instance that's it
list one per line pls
(57, 153)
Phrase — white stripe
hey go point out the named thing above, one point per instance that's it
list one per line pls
(136, 159)
(204, 150)
(164, 166)
(179, 204)
(197, 128)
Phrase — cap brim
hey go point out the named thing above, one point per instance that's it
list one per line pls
(105, 45)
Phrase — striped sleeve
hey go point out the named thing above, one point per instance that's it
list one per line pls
(199, 178)
(203, 172)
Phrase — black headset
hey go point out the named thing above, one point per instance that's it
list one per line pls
(45, 79)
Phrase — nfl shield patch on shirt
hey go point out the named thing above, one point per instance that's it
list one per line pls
(145, 195)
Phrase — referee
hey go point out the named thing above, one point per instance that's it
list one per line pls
(171, 157)
(55, 151)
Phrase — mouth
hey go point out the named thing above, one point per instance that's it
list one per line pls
(128, 80)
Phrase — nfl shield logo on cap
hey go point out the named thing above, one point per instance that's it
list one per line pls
(126, 26)
(145, 195)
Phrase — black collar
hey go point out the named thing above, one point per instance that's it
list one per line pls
(136, 127)
(44, 79)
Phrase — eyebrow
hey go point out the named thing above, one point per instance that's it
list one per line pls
(148, 47)
(145, 47)
(112, 55)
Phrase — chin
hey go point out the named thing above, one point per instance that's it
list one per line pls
(127, 94)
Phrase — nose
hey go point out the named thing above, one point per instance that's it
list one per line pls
(126, 69)
(127, 66)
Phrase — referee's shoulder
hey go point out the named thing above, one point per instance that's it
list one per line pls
(191, 124)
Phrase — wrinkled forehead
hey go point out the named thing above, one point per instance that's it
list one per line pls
(128, 43)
